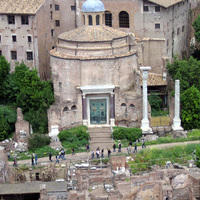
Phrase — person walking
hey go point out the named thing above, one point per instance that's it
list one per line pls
(114, 146)
(97, 152)
(92, 154)
(109, 152)
(87, 148)
(119, 146)
(36, 159)
(135, 149)
(50, 155)
(15, 162)
(73, 152)
(102, 150)
(143, 144)
(57, 159)
(32, 159)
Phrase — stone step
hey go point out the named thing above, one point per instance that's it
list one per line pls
(99, 130)
(100, 134)
(101, 140)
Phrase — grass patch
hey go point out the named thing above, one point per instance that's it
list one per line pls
(146, 158)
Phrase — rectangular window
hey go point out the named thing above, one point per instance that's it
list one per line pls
(157, 26)
(11, 19)
(52, 32)
(50, 5)
(57, 8)
(146, 8)
(13, 55)
(183, 28)
(51, 15)
(0, 52)
(0, 38)
(29, 39)
(24, 20)
(14, 38)
(29, 55)
(157, 8)
(73, 8)
(57, 22)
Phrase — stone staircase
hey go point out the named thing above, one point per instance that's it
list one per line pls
(100, 137)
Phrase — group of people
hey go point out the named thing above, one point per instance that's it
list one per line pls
(99, 153)
(34, 162)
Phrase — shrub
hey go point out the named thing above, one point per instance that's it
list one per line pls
(131, 134)
(38, 141)
(75, 137)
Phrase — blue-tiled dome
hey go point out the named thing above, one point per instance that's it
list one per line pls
(93, 6)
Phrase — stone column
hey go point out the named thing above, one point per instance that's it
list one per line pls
(112, 110)
(177, 121)
(145, 122)
(85, 121)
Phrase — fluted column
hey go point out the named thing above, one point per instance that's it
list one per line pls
(85, 121)
(112, 110)
(145, 122)
(177, 120)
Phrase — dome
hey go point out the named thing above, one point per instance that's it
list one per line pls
(93, 6)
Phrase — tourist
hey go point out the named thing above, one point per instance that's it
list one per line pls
(114, 146)
(62, 154)
(92, 154)
(50, 155)
(130, 143)
(129, 149)
(87, 148)
(15, 162)
(32, 160)
(97, 152)
(143, 144)
(109, 152)
(102, 153)
(57, 158)
(73, 152)
(119, 146)
(36, 159)
(135, 145)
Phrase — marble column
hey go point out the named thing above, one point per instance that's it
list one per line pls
(112, 111)
(177, 121)
(145, 122)
(84, 104)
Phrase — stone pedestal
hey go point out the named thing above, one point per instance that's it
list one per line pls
(145, 122)
(177, 121)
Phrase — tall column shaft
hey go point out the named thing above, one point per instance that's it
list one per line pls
(177, 120)
(145, 122)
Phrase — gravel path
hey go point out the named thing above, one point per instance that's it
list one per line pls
(84, 155)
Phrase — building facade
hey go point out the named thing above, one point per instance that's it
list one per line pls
(29, 29)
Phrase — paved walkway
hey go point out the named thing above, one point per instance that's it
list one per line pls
(84, 155)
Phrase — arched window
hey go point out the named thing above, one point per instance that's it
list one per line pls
(73, 107)
(123, 19)
(108, 18)
(123, 105)
(97, 19)
(132, 106)
(65, 109)
(90, 20)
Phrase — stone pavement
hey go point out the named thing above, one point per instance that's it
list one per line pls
(85, 156)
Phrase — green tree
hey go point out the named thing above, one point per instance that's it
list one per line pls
(4, 68)
(188, 72)
(4, 127)
(156, 104)
(190, 108)
(10, 116)
(38, 119)
(196, 25)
